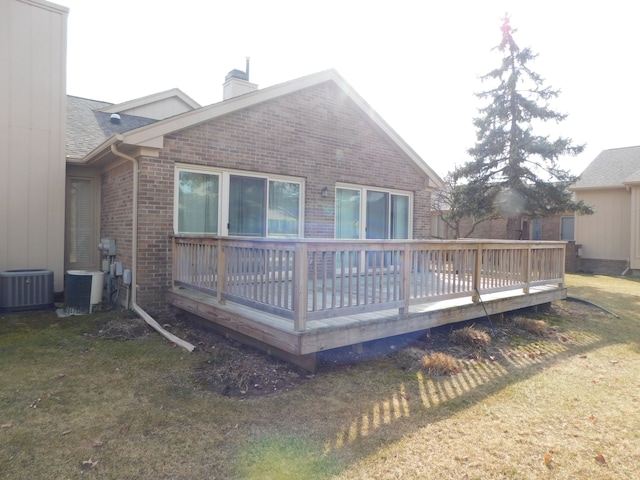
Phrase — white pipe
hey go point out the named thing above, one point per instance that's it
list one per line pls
(628, 267)
(134, 259)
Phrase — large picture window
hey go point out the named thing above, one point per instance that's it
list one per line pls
(230, 203)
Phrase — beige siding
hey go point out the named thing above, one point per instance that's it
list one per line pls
(635, 227)
(161, 109)
(605, 234)
(32, 135)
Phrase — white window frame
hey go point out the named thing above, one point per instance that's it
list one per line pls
(363, 206)
(223, 195)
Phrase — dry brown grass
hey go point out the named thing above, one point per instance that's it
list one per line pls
(438, 363)
(471, 336)
(531, 325)
(73, 406)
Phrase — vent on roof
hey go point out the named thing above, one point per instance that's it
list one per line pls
(115, 118)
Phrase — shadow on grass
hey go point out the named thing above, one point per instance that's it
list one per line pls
(417, 399)
(445, 396)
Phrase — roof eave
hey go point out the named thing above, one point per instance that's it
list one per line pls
(137, 102)
(151, 135)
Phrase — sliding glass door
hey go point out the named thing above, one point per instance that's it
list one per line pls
(247, 206)
(386, 214)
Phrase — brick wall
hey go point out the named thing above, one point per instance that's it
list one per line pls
(155, 225)
(116, 205)
(317, 134)
(499, 230)
(601, 266)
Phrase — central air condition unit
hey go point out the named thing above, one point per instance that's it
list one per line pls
(83, 290)
(26, 290)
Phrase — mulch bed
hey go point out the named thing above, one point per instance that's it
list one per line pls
(231, 369)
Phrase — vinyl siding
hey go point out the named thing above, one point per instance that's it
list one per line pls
(606, 234)
(32, 136)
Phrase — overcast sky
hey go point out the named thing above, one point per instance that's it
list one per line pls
(416, 63)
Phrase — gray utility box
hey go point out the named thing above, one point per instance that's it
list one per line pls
(26, 290)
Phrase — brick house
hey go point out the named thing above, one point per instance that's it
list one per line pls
(551, 228)
(554, 227)
(308, 158)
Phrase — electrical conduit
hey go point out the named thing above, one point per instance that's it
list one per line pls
(134, 259)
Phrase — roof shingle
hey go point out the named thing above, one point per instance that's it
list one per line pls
(87, 127)
(612, 168)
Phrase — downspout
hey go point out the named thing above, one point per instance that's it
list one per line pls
(134, 259)
(628, 267)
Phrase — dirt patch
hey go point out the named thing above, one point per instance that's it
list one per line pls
(231, 369)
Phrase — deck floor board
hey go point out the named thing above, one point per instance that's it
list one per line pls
(340, 331)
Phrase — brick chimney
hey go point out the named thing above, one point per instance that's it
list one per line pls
(237, 83)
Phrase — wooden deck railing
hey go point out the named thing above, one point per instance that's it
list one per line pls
(307, 279)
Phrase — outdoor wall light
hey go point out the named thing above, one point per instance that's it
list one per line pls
(325, 192)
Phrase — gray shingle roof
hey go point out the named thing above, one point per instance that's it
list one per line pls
(612, 168)
(87, 127)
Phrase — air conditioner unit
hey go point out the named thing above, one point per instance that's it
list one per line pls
(26, 290)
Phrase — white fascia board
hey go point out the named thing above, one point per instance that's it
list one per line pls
(47, 5)
(152, 134)
(138, 102)
(434, 178)
(188, 119)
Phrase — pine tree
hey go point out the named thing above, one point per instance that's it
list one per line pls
(516, 170)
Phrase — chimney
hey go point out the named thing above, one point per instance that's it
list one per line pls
(237, 83)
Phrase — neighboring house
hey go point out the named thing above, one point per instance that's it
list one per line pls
(610, 238)
(306, 158)
(555, 227)
(32, 136)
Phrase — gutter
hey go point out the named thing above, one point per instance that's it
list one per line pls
(134, 259)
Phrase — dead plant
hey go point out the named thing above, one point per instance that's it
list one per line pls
(438, 363)
(531, 325)
(470, 336)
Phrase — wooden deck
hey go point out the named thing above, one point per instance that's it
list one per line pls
(299, 297)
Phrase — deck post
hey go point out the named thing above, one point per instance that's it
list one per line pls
(406, 279)
(221, 286)
(300, 287)
(527, 269)
(563, 262)
(477, 275)
(174, 259)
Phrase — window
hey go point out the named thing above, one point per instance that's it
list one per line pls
(536, 229)
(80, 241)
(284, 208)
(230, 203)
(386, 214)
(198, 202)
(567, 226)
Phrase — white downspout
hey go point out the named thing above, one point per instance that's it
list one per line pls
(134, 259)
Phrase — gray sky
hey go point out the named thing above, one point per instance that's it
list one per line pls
(415, 62)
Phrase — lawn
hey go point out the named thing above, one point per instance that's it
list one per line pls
(561, 404)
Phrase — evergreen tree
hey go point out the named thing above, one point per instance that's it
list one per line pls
(515, 170)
